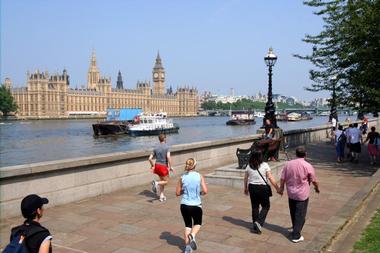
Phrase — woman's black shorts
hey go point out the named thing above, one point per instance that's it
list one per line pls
(192, 215)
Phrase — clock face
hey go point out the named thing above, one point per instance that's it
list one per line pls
(155, 75)
(162, 75)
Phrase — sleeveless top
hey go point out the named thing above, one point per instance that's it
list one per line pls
(191, 186)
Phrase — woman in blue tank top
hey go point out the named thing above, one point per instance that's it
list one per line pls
(191, 186)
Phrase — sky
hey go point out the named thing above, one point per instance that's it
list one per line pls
(213, 45)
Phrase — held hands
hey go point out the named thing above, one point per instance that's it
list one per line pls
(280, 190)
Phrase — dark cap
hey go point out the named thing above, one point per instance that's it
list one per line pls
(31, 203)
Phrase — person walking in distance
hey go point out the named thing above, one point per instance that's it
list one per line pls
(191, 186)
(256, 185)
(161, 167)
(340, 143)
(356, 140)
(373, 145)
(36, 237)
(297, 174)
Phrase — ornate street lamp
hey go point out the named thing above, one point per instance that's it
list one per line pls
(270, 59)
(333, 111)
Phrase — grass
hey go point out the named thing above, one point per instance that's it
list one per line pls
(370, 240)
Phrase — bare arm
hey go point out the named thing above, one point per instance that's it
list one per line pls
(246, 183)
(282, 184)
(367, 139)
(151, 160)
(44, 247)
(178, 190)
(316, 186)
(169, 158)
(272, 181)
(204, 186)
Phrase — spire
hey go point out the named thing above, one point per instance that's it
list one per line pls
(158, 64)
(119, 83)
(93, 58)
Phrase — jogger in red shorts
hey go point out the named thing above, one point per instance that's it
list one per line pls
(161, 166)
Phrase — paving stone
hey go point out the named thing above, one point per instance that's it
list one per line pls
(132, 220)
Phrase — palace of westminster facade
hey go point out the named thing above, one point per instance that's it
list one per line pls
(49, 96)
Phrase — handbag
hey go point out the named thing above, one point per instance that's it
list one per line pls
(269, 188)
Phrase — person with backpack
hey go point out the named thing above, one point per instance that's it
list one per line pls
(31, 236)
(340, 142)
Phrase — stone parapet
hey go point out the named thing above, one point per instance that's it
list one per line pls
(70, 180)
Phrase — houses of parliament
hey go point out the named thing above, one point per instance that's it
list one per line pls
(49, 96)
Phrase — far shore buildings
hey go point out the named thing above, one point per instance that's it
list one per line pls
(49, 96)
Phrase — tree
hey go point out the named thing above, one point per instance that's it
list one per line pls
(348, 49)
(7, 103)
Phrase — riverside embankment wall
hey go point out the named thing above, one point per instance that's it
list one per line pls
(70, 180)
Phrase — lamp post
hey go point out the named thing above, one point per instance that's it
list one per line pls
(333, 112)
(270, 59)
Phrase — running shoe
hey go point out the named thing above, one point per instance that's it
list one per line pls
(154, 186)
(188, 249)
(258, 227)
(192, 243)
(298, 240)
(162, 199)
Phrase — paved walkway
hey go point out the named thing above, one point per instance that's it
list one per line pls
(133, 221)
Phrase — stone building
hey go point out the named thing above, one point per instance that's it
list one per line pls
(49, 96)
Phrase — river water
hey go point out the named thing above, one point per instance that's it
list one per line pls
(25, 142)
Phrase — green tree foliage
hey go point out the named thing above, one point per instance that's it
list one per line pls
(244, 104)
(7, 103)
(348, 48)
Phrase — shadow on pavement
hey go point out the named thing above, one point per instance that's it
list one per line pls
(149, 194)
(278, 229)
(326, 158)
(238, 222)
(173, 240)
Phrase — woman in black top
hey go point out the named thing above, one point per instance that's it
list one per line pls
(373, 146)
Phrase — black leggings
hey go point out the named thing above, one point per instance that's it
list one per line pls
(190, 214)
(259, 196)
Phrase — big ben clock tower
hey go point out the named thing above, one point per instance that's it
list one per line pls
(158, 77)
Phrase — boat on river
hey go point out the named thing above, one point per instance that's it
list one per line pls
(152, 124)
(241, 118)
(293, 116)
(117, 122)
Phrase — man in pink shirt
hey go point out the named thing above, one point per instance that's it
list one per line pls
(297, 174)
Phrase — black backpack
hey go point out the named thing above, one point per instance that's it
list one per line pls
(342, 138)
(19, 235)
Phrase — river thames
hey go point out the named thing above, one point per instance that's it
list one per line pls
(25, 142)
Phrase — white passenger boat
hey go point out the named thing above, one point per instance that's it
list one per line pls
(152, 124)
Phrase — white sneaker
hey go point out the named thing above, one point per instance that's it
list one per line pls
(162, 199)
(192, 243)
(188, 249)
(298, 240)
(258, 227)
